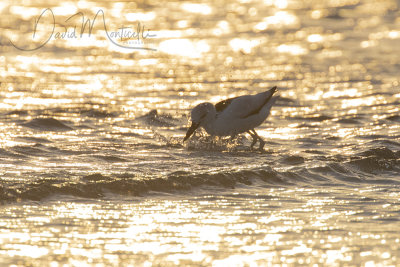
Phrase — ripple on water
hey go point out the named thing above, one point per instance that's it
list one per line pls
(47, 124)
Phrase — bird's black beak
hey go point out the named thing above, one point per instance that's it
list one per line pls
(191, 130)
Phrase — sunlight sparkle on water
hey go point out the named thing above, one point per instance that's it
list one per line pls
(244, 45)
(25, 12)
(366, 101)
(36, 101)
(203, 9)
(65, 9)
(315, 38)
(168, 34)
(140, 16)
(184, 47)
(25, 250)
(223, 27)
(279, 20)
(293, 49)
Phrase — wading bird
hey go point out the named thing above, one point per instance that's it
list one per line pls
(234, 116)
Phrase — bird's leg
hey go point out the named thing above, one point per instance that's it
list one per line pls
(254, 139)
(262, 143)
(212, 143)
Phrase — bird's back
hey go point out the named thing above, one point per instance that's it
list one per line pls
(248, 105)
(245, 113)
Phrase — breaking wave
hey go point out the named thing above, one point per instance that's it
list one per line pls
(364, 168)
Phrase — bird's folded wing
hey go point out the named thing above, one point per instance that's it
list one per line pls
(246, 106)
(221, 106)
(258, 102)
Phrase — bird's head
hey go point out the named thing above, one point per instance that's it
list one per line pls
(198, 116)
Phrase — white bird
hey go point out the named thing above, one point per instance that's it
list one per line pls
(234, 116)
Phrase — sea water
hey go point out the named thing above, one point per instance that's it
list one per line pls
(93, 168)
